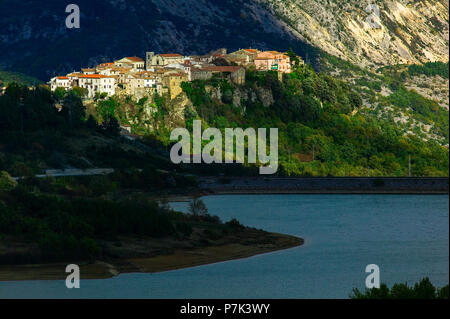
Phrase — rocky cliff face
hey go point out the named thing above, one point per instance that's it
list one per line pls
(370, 33)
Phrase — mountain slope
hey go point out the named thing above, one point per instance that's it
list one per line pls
(35, 41)
(405, 31)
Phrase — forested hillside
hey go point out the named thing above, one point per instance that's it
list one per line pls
(323, 125)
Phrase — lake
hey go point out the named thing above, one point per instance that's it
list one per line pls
(407, 236)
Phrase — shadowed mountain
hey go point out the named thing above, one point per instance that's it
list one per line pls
(34, 39)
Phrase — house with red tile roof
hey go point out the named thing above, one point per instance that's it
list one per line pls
(60, 81)
(164, 73)
(273, 61)
(136, 63)
(105, 65)
(97, 83)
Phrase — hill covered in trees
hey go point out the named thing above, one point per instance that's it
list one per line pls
(324, 127)
(82, 218)
(14, 77)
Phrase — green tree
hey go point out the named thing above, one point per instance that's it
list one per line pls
(421, 290)
(79, 91)
(60, 93)
(293, 56)
(7, 183)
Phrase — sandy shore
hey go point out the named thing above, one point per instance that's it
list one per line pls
(180, 258)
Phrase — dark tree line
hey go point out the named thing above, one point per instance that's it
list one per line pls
(24, 109)
(421, 290)
(27, 109)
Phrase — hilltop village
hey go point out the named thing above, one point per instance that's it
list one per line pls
(164, 73)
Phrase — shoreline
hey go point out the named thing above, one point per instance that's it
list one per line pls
(179, 259)
(185, 257)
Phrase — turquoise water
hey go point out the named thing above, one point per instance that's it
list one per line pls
(407, 236)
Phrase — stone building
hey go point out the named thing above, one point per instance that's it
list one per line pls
(235, 74)
(200, 74)
(161, 60)
(243, 57)
(172, 82)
